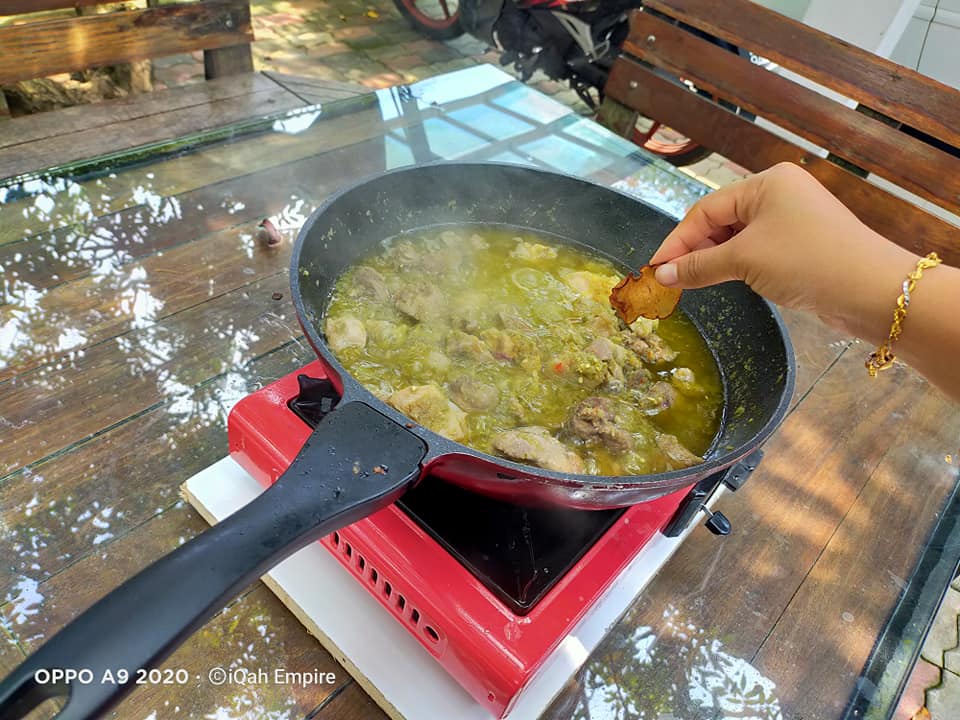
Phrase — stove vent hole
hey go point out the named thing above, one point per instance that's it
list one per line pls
(336, 539)
(361, 563)
(415, 616)
(401, 602)
(373, 576)
(387, 589)
(349, 549)
(432, 634)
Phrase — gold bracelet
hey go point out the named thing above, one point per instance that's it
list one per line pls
(883, 357)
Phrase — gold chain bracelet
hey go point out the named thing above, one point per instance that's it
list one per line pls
(883, 357)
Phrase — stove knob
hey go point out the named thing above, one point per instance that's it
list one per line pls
(718, 523)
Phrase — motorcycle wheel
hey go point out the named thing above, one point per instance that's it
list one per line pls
(437, 19)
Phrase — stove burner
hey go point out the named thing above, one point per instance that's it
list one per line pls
(516, 552)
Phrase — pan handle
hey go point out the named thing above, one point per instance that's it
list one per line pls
(330, 484)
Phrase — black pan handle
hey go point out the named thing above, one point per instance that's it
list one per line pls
(356, 462)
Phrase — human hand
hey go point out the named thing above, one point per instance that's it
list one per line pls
(790, 240)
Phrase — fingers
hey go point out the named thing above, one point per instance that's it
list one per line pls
(700, 268)
(712, 221)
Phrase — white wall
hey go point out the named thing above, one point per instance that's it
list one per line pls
(790, 8)
(938, 35)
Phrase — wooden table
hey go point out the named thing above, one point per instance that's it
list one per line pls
(138, 307)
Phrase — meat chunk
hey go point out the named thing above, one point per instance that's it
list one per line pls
(651, 349)
(367, 282)
(427, 405)
(442, 262)
(639, 378)
(675, 453)
(514, 347)
(386, 333)
(604, 348)
(595, 420)
(500, 343)
(437, 361)
(658, 398)
(584, 368)
(466, 310)
(477, 242)
(345, 331)
(403, 255)
(644, 327)
(421, 300)
(531, 251)
(465, 345)
(604, 323)
(536, 446)
(685, 381)
(473, 395)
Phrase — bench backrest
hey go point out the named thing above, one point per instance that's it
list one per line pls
(906, 128)
(41, 47)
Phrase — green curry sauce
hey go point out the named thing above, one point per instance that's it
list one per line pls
(474, 331)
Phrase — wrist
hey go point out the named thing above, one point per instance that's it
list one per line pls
(869, 298)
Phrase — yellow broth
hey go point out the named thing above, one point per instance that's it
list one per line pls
(516, 331)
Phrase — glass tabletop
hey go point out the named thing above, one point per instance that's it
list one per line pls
(137, 305)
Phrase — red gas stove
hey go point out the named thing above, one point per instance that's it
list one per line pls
(488, 588)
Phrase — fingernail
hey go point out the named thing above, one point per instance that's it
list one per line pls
(666, 274)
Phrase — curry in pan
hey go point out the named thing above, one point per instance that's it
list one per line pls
(505, 340)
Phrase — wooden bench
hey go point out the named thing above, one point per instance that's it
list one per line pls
(47, 46)
(904, 129)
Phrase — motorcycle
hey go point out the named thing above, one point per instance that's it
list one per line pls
(568, 40)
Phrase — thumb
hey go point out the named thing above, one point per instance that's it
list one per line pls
(698, 269)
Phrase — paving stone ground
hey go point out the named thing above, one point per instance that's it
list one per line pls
(369, 43)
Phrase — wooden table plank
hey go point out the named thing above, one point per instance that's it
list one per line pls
(54, 406)
(816, 347)
(16, 7)
(350, 704)
(53, 514)
(255, 633)
(133, 107)
(256, 629)
(104, 195)
(130, 234)
(84, 144)
(97, 308)
(849, 591)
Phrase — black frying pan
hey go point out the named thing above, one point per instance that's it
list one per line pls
(145, 619)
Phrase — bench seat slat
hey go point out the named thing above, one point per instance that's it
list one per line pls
(864, 141)
(876, 82)
(756, 149)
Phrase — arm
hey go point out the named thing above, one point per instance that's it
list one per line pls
(787, 237)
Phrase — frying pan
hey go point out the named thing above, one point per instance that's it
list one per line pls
(332, 482)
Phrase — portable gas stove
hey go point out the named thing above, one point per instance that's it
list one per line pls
(489, 589)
